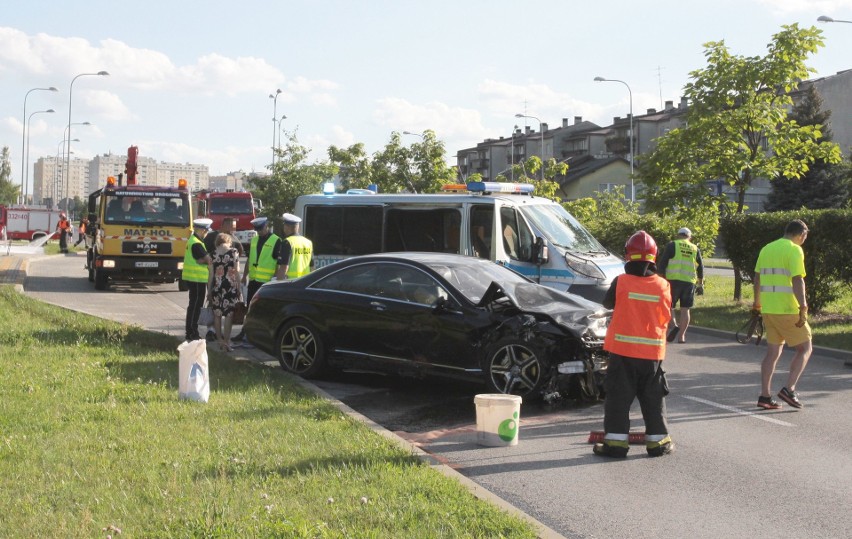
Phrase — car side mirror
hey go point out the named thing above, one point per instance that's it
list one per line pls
(540, 255)
(443, 305)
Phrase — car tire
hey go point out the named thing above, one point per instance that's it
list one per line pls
(516, 367)
(300, 349)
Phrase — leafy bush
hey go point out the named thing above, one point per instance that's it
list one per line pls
(612, 220)
(828, 249)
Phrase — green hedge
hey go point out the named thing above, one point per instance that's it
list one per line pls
(828, 249)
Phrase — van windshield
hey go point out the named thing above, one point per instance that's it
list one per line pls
(562, 229)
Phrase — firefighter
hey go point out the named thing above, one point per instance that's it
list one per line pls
(636, 340)
(81, 231)
(296, 250)
(261, 265)
(196, 272)
(63, 228)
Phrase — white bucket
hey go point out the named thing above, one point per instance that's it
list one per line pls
(498, 419)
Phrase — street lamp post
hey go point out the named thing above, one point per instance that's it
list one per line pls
(630, 94)
(826, 18)
(22, 195)
(27, 174)
(274, 98)
(68, 137)
(541, 131)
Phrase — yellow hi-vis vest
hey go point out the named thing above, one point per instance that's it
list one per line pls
(262, 265)
(192, 270)
(300, 256)
(777, 264)
(682, 265)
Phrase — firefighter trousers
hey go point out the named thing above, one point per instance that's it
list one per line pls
(629, 378)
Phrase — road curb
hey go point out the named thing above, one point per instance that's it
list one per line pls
(833, 353)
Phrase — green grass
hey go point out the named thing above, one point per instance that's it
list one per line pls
(93, 436)
(716, 309)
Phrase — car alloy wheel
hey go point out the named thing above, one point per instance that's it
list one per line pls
(514, 367)
(300, 349)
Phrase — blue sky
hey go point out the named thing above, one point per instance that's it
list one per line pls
(189, 80)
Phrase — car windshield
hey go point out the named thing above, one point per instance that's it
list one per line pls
(147, 208)
(473, 280)
(561, 228)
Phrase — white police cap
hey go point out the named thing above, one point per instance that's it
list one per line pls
(259, 222)
(204, 223)
(685, 232)
(291, 219)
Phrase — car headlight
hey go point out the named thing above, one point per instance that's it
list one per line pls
(584, 266)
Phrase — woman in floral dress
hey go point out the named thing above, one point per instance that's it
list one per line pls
(224, 288)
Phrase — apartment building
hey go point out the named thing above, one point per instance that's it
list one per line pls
(86, 175)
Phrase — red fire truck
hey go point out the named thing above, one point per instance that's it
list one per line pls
(240, 205)
(24, 223)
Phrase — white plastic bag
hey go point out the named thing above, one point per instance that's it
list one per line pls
(193, 372)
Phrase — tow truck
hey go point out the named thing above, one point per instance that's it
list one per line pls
(138, 233)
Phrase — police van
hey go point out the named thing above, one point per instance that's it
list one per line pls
(497, 221)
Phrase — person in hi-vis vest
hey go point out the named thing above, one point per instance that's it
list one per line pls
(296, 250)
(195, 274)
(681, 264)
(261, 265)
(636, 342)
(779, 294)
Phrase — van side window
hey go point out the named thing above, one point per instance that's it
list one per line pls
(481, 228)
(517, 238)
(344, 230)
(432, 230)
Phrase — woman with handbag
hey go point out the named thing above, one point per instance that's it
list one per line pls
(224, 288)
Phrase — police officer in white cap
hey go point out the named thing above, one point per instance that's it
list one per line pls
(261, 265)
(196, 272)
(683, 268)
(296, 250)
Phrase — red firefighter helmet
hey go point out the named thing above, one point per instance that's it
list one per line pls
(641, 247)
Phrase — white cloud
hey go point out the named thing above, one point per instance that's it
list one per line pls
(399, 114)
(146, 69)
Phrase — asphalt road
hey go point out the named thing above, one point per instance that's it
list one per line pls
(736, 472)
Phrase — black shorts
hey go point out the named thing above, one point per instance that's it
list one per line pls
(684, 293)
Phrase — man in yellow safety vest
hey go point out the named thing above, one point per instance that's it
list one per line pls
(296, 250)
(779, 294)
(682, 266)
(261, 265)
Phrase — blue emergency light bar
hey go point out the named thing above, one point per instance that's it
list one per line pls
(500, 187)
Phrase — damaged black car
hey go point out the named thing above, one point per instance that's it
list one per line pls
(434, 314)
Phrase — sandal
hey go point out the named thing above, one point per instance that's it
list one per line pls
(223, 346)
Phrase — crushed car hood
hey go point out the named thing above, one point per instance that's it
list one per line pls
(575, 313)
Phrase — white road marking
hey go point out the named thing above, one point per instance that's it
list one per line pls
(754, 415)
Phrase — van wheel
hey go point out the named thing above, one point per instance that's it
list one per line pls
(301, 349)
(514, 367)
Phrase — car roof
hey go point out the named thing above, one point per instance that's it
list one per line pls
(426, 258)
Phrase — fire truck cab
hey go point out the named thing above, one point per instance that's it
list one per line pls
(240, 205)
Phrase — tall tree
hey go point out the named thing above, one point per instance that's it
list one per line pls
(418, 168)
(355, 170)
(291, 177)
(737, 127)
(8, 191)
(525, 172)
(824, 185)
